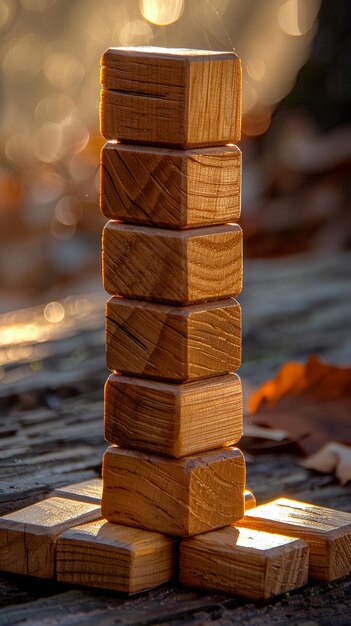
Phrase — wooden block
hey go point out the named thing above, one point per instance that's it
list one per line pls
(115, 557)
(327, 532)
(176, 266)
(175, 420)
(86, 491)
(250, 500)
(173, 496)
(171, 188)
(253, 564)
(182, 98)
(173, 343)
(28, 536)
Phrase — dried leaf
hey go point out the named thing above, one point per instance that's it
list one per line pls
(333, 457)
(312, 402)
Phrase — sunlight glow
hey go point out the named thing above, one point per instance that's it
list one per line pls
(162, 12)
(296, 17)
(135, 32)
(54, 312)
(256, 68)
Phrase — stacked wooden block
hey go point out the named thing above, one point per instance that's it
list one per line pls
(172, 262)
(173, 492)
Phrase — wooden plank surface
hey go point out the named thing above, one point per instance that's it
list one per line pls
(115, 557)
(51, 410)
(245, 562)
(85, 491)
(161, 96)
(180, 267)
(178, 344)
(179, 497)
(327, 532)
(175, 420)
(171, 188)
(28, 536)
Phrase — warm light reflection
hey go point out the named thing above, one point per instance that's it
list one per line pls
(63, 70)
(135, 32)
(68, 211)
(162, 12)
(4, 13)
(257, 121)
(24, 58)
(23, 333)
(296, 17)
(256, 68)
(54, 312)
(62, 231)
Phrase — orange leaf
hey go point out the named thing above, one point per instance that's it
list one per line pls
(312, 402)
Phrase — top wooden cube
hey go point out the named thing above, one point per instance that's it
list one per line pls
(171, 96)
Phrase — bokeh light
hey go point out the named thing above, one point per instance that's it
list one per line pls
(162, 12)
(49, 139)
(297, 17)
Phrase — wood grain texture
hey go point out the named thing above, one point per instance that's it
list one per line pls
(179, 497)
(170, 188)
(180, 267)
(28, 536)
(250, 563)
(115, 557)
(326, 531)
(175, 420)
(85, 491)
(174, 343)
(161, 96)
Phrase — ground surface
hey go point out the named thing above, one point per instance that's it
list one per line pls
(51, 379)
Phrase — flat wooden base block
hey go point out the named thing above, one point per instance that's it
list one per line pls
(115, 557)
(327, 532)
(173, 419)
(173, 496)
(28, 536)
(86, 491)
(249, 563)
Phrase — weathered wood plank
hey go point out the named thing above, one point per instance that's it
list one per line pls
(326, 531)
(252, 564)
(100, 554)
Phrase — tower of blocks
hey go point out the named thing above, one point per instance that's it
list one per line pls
(172, 500)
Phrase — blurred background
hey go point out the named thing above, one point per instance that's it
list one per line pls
(296, 127)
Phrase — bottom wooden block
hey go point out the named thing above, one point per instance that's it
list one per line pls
(115, 557)
(246, 562)
(28, 536)
(327, 532)
(86, 491)
(173, 496)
